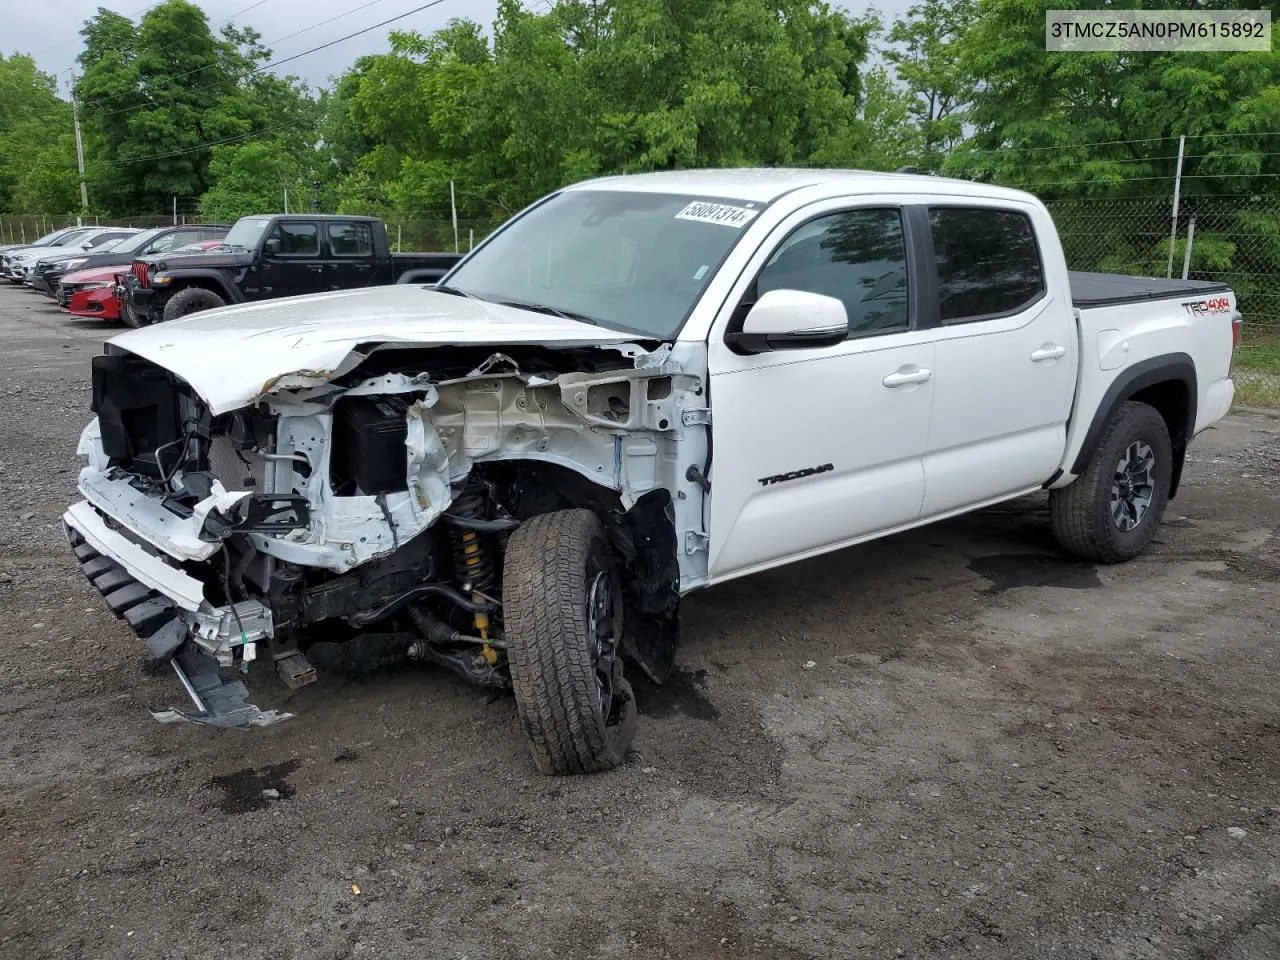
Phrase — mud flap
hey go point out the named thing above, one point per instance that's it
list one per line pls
(218, 702)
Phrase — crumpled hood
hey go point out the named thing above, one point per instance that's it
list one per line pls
(233, 355)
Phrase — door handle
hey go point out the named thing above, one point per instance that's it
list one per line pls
(902, 378)
(315, 267)
(1050, 351)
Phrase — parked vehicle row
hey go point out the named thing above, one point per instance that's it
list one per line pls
(269, 257)
(139, 277)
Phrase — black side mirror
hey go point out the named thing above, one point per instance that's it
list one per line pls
(272, 246)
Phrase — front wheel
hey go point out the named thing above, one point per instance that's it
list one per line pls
(562, 617)
(191, 300)
(1111, 511)
(128, 316)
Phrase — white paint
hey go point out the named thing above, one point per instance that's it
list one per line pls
(186, 591)
(853, 441)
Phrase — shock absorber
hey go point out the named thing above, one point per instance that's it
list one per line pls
(472, 562)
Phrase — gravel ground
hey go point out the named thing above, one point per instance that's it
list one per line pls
(952, 743)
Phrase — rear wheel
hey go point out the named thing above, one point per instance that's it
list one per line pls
(1111, 511)
(562, 617)
(191, 300)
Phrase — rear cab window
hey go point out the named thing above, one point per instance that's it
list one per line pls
(987, 262)
(350, 239)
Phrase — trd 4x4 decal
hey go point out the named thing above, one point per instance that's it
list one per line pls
(1198, 308)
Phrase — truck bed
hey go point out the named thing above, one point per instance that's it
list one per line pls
(1109, 289)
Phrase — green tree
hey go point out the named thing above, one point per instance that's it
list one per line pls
(586, 88)
(925, 54)
(252, 178)
(160, 96)
(37, 152)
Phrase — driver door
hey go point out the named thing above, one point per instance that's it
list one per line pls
(814, 448)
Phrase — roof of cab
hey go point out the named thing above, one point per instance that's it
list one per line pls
(766, 184)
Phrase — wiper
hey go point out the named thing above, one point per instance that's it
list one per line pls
(553, 311)
(456, 291)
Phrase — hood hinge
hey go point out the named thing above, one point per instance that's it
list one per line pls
(695, 541)
(696, 416)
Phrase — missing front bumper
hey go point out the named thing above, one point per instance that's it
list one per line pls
(156, 601)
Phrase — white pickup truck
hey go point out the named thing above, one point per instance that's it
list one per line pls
(638, 387)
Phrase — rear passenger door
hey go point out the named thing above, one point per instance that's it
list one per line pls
(351, 259)
(1005, 357)
(292, 261)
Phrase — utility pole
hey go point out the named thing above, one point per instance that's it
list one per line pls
(1177, 191)
(75, 116)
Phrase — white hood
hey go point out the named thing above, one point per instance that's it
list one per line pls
(233, 355)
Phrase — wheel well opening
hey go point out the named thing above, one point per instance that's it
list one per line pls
(643, 537)
(1172, 400)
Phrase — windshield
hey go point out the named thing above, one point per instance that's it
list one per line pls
(137, 241)
(623, 259)
(246, 233)
(70, 239)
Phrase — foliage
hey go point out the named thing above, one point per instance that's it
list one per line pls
(1107, 123)
(159, 97)
(251, 178)
(37, 151)
(927, 58)
(611, 86)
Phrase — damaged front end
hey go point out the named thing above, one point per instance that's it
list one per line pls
(352, 519)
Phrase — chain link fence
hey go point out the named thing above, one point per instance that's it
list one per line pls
(1235, 240)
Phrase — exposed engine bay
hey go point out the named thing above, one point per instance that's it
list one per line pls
(351, 521)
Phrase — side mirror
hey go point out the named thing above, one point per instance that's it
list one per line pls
(789, 320)
(272, 246)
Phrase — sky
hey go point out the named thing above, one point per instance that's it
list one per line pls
(49, 29)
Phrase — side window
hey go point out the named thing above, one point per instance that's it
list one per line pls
(298, 239)
(350, 239)
(183, 237)
(858, 256)
(102, 238)
(987, 261)
(162, 244)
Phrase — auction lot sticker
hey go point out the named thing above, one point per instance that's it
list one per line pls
(721, 213)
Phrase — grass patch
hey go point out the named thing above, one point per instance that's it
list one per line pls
(1262, 357)
(1256, 390)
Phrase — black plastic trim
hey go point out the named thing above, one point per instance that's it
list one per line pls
(1145, 373)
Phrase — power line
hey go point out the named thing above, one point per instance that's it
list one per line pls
(268, 44)
(204, 145)
(252, 6)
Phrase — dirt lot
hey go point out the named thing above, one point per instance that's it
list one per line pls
(949, 744)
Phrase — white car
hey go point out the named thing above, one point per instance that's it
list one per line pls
(638, 387)
(21, 262)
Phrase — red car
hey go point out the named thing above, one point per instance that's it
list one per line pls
(92, 293)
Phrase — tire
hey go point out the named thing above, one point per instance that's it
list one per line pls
(1096, 517)
(191, 300)
(128, 317)
(554, 564)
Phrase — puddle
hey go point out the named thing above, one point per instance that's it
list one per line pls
(242, 790)
(681, 694)
(1008, 571)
